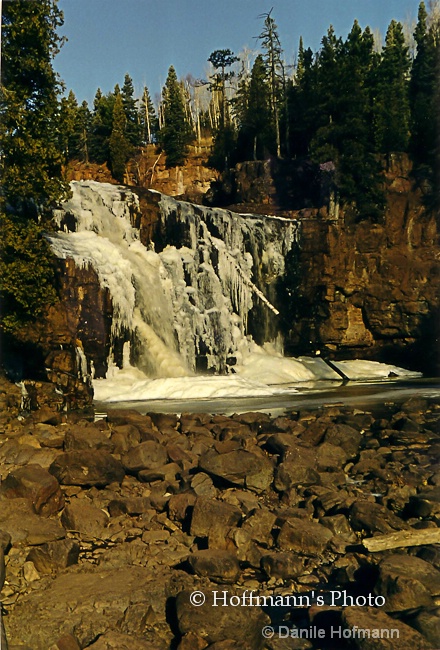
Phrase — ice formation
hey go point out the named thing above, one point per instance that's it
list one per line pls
(191, 301)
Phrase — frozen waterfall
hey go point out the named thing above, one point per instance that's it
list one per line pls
(187, 306)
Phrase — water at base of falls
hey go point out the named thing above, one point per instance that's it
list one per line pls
(191, 300)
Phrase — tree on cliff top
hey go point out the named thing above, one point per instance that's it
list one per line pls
(31, 156)
(176, 133)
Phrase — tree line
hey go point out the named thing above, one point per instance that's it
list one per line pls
(349, 103)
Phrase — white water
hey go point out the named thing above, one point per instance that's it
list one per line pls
(189, 301)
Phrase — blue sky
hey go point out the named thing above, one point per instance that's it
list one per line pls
(108, 38)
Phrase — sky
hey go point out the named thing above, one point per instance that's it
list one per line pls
(109, 38)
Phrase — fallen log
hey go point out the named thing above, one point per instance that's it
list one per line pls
(401, 539)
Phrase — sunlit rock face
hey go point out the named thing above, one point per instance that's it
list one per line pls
(187, 284)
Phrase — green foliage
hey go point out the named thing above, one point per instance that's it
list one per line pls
(424, 107)
(391, 105)
(119, 146)
(31, 159)
(132, 128)
(257, 128)
(27, 279)
(176, 134)
(102, 126)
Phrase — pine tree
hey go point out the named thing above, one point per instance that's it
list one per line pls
(83, 125)
(119, 145)
(271, 44)
(391, 106)
(68, 120)
(257, 127)
(302, 97)
(132, 129)
(224, 133)
(31, 158)
(30, 164)
(422, 97)
(102, 125)
(176, 134)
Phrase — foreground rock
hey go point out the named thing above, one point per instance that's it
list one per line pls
(103, 546)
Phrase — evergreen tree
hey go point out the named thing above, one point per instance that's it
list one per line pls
(102, 126)
(176, 134)
(31, 158)
(119, 146)
(147, 119)
(68, 122)
(83, 126)
(391, 106)
(224, 133)
(347, 136)
(303, 100)
(132, 129)
(257, 126)
(422, 97)
(273, 58)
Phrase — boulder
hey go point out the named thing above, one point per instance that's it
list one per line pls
(240, 624)
(240, 467)
(381, 631)
(84, 518)
(407, 582)
(217, 565)
(146, 455)
(37, 485)
(54, 556)
(213, 519)
(304, 537)
(93, 467)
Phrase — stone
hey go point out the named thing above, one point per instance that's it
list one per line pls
(90, 603)
(79, 438)
(84, 518)
(379, 623)
(129, 505)
(118, 641)
(373, 517)
(330, 457)
(180, 505)
(213, 519)
(2, 569)
(344, 436)
(54, 556)
(240, 624)
(303, 536)
(67, 642)
(289, 475)
(17, 517)
(146, 455)
(37, 485)
(282, 565)
(407, 582)
(217, 565)
(49, 436)
(240, 467)
(259, 526)
(93, 467)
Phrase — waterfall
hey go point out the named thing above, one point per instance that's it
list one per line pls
(185, 301)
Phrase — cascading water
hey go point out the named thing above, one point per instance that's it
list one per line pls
(191, 300)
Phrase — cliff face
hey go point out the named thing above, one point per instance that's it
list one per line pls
(369, 289)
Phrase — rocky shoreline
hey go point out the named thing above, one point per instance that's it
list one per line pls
(316, 529)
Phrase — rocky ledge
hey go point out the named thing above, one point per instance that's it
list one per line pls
(109, 528)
